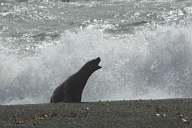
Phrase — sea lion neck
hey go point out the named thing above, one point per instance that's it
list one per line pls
(85, 73)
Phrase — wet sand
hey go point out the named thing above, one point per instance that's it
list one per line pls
(169, 113)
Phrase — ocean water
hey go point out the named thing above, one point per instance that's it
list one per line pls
(145, 48)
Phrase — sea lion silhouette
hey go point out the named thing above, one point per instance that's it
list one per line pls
(71, 90)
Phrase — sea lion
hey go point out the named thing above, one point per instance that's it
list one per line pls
(71, 90)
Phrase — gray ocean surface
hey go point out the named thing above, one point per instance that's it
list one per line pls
(145, 47)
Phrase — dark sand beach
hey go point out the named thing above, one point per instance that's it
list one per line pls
(169, 113)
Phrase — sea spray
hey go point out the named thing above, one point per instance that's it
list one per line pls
(149, 64)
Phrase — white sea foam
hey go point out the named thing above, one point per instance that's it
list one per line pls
(152, 63)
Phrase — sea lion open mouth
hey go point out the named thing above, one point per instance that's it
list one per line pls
(98, 60)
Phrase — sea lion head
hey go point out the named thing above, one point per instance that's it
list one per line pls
(97, 61)
(93, 65)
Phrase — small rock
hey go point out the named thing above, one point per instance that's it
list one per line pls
(184, 120)
(19, 121)
(164, 115)
(41, 116)
(157, 114)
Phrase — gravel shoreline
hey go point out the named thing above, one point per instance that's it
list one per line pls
(168, 113)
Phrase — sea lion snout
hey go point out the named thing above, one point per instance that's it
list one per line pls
(98, 60)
